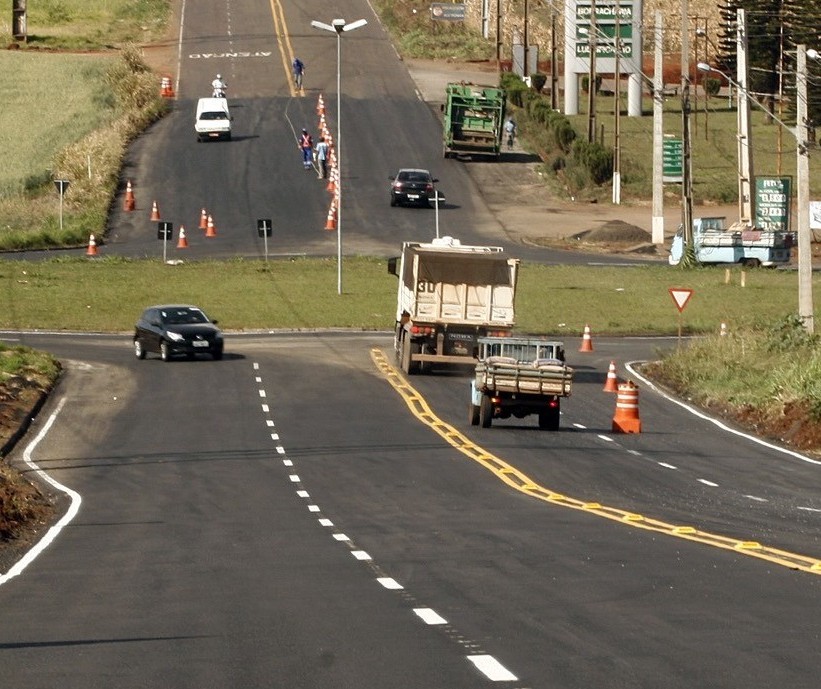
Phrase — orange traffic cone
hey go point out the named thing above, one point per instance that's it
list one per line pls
(210, 230)
(182, 242)
(92, 246)
(155, 212)
(612, 382)
(626, 419)
(587, 343)
(331, 185)
(320, 106)
(165, 88)
(203, 220)
(130, 201)
(330, 223)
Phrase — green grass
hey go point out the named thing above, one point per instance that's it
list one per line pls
(91, 24)
(70, 103)
(107, 295)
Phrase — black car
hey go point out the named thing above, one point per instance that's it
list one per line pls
(176, 329)
(411, 185)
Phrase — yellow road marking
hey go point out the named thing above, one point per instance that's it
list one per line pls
(286, 51)
(519, 481)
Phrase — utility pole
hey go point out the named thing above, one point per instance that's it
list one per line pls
(499, 36)
(745, 149)
(805, 305)
(617, 113)
(525, 68)
(554, 75)
(688, 258)
(591, 77)
(658, 132)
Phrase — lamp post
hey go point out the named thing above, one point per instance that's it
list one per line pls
(805, 301)
(337, 26)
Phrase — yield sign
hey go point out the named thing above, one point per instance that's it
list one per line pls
(681, 296)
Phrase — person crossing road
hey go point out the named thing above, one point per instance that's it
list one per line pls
(299, 70)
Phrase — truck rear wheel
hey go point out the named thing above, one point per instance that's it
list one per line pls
(473, 415)
(549, 419)
(485, 412)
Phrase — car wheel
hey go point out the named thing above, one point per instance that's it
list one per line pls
(393, 202)
(473, 415)
(139, 350)
(165, 351)
(217, 354)
(485, 412)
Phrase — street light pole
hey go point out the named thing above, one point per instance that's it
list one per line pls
(337, 26)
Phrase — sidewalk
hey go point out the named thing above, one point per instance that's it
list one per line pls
(514, 191)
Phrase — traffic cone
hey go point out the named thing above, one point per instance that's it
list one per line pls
(320, 106)
(210, 229)
(130, 201)
(155, 212)
(182, 242)
(626, 418)
(203, 220)
(612, 382)
(92, 246)
(587, 343)
(331, 185)
(330, 223)
(165, 87)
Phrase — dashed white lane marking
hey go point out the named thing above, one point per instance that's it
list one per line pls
(606, 438)
(578, 425)
(280, 450)
(303, 494)
(258, 379)
(341, 537)
(492, 668)
(325, 522)
(288, 462)
(668, 466)
(314, 508)
(430, 616)
(809, 509)
(707, 483)
(262, 393)
(390, 583)
(274, 436)
(266, 409)
(360, 555)
(756, 498)
(269, 423)
(294, 478)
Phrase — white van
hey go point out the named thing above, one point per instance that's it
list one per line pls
(213, 119)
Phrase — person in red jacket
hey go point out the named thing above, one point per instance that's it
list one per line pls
(306, 145)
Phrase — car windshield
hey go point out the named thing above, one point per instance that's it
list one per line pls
(414, 177)
(182, 316)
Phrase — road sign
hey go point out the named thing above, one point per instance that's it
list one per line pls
(681, 295)
(62, 186)
(772, 203)
(672, 157)
(165, 230)
(264, 227)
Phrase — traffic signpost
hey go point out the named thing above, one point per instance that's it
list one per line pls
(164, 232)
(680, 295)
(265, 229)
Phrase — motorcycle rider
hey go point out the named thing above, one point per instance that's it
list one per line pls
(219, 87)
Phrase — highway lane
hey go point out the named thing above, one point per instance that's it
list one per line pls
(197, 554)
(385, 125)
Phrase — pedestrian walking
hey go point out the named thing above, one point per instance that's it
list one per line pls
(306, 145)
(510, 131)
(322, 157)
(299, 69)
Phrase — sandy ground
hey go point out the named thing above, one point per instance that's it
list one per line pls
(514, 190)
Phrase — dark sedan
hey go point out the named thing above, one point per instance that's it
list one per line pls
(176, 329)
(411, 185)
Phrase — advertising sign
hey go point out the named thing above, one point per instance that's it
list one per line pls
(672, 160)
(448, 11)
(772, 203)
(607, 15)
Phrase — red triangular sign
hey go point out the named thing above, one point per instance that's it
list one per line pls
(681, 296)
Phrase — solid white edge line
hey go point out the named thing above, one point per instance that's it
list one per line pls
(716, 422)
(74, 507)
(492, 668)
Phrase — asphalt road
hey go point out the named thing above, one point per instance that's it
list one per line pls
(281, 518)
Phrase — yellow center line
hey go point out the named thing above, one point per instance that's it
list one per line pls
(519, 481)
(286, 51)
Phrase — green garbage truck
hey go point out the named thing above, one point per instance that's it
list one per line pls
(473, 120)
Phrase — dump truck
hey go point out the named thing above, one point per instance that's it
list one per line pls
(714, 242)
(519, 376)
(473, 119)
(450, 294)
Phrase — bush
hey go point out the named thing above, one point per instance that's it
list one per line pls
(537, 81)
(712, 86)
(596, 159)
